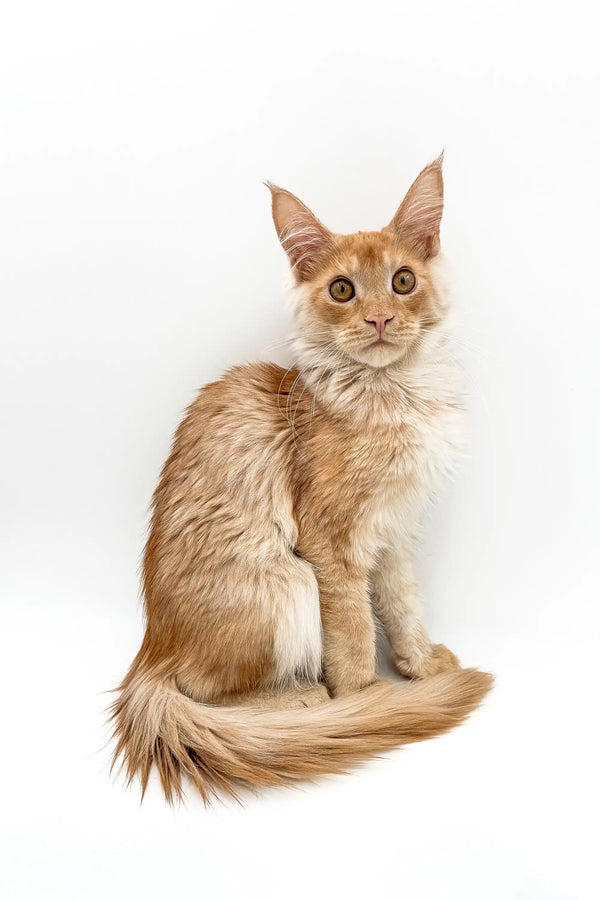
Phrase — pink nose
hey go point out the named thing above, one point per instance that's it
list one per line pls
(379, 322)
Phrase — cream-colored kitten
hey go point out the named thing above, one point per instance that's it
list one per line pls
(286, 514)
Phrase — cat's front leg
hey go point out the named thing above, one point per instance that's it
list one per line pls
(348, 626)
(398, 605)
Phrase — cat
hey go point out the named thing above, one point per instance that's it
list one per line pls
(286, 515)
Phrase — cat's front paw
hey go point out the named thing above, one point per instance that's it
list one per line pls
(439, 659)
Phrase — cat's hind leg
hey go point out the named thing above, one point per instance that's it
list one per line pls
(298, 643)
(257, 624)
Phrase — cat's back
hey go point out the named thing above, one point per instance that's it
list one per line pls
(234, 439)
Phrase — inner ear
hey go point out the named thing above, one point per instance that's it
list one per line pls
(305, 240)
(417, 220)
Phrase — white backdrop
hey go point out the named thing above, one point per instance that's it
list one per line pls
(138, 260)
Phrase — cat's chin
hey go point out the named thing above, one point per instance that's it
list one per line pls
(380, 354)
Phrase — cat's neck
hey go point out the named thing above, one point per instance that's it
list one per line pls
(379, 396)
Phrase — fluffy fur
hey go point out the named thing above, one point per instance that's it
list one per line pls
(286, 514)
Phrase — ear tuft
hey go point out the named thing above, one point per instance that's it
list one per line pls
(417, 220)
(439, 160)
(302, 236)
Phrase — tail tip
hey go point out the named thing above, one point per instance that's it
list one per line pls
(475, 684)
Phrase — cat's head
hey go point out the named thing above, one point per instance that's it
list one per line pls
(372, 297)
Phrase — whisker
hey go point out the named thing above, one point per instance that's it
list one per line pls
(322, 356)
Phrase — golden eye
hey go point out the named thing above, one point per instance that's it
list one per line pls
(341, 290)
(403, 281)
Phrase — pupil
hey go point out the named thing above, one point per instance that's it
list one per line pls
(342, 287)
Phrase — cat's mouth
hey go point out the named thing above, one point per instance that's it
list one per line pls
(380, 342)
(379, 352)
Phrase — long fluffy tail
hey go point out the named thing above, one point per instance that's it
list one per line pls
(225, 748)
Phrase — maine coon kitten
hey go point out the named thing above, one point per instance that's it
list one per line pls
(286, 514)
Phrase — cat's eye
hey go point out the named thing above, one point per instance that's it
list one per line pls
(403, 281)
(341, 290)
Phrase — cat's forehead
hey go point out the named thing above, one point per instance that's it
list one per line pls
(367, 251)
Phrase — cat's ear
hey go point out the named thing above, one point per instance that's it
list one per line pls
(417, 221)
(305, 240)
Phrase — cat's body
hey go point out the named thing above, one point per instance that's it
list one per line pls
(285, 515)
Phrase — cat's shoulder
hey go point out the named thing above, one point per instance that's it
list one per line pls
(259, 376)
(254, 386)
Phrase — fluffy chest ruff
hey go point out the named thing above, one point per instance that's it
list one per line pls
(373, 460)
(409, 462)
